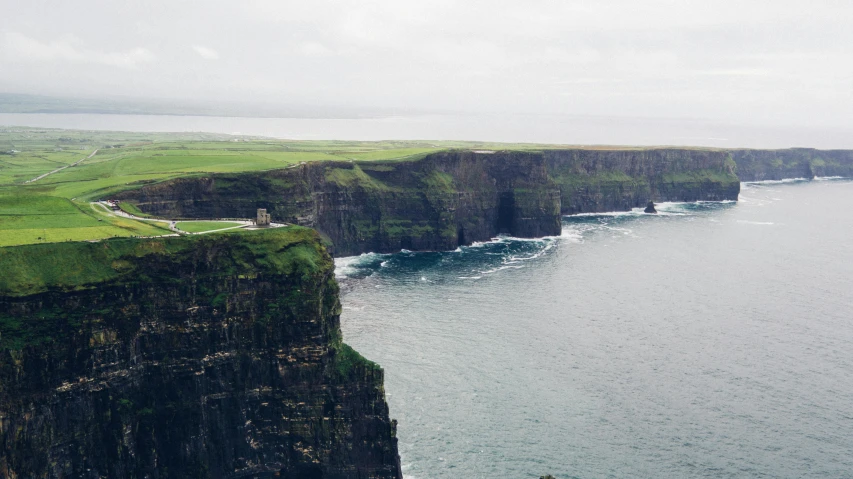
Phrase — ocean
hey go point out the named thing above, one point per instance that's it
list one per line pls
(713, 340)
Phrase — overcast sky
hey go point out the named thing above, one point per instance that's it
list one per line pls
(774, 62)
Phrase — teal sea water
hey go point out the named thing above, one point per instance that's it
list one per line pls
(710, 341)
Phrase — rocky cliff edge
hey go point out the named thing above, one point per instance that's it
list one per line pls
(192, 357)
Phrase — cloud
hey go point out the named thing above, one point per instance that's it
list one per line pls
(206, 53)
(735, 72)
(759, 61)
(313, 49)
(18, 46)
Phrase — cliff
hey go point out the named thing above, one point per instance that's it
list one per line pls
(192, 357)
(449, 198)
(759, 165)
(617, 180)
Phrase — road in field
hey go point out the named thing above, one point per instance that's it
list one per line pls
(173, 223)
(62, 168)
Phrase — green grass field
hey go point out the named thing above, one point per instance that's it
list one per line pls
(202, 226)
(56, 208)
(34, 218)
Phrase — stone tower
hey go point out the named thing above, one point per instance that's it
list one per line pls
(263, 217)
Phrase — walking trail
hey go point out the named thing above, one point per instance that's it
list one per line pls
(62, 168)
(173, 223)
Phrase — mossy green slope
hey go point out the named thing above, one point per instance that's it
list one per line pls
(31, 269)
(148, 358)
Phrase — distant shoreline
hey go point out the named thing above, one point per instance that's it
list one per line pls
(509, 128)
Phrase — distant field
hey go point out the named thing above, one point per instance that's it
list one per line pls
(33, 218)
(202, 226)
(56, 208)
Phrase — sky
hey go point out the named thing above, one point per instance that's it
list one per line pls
(753, 62)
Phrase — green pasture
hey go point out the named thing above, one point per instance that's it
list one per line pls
(203, 226)
(34, 218)
(56, 208)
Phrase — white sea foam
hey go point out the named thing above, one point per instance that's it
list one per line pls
(624, 231)
(541, 239)
(350, 264)
(830, 178)
(663, 209)
(747, 222)
(470, 277)
(773, 182)
(501, 268)
(515, 259)
(670, 208)
(605, 213)
(572, 235)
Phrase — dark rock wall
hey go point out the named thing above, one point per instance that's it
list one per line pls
(204, 368)
(448, 198)
(760, 165)
(436, 203)
(618, 180)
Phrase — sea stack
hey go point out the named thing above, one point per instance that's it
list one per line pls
(650, 208)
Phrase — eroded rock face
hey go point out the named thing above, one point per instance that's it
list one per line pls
(593, 181)
(761, 165)
(187, 358)
(448, 199)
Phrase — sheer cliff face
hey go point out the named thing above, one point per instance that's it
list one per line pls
(436, 203)
(214, 356)
(760, 165)
(618, 180)
(450, 198)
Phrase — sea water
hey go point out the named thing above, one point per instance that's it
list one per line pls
(712, 340)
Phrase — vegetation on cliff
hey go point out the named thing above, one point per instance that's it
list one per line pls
(55, 208)
(75, 266)
(31, 269)
(226, 176)
(759, 165)
(193, 356)
(448, 198)
(133, 160)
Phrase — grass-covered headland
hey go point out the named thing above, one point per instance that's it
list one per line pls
(72, 266)
(57, 208)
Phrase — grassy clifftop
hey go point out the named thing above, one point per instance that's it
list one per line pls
(32, 269)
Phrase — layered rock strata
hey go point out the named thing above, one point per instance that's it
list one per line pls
(762, 165)
(447, 199)
(209, 356)
(618, 180)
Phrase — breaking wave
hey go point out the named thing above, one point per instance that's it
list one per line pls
(506, 253)
(747, 184)
(355, 265)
